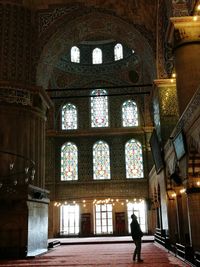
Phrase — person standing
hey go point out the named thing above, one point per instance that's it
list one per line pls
(137, 235)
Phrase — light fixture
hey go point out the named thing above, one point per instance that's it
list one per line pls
(11, 166)
(182, 190)
(171, 194)
(195, 18)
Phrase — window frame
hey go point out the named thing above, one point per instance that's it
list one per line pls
(76, 168)
(107, 218)
(76, 117)
(122, 113)
(105, 94)
(126, 161)
(94, 60)
(73, 56)
(93, 161)
(118, 56)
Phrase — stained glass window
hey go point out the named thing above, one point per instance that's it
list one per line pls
(69, 162)
(69, 117)
(75, 54)
(118, 52)
(129, 114)
(101, 161)
(97, 56)
(99, 108)
(134, 160)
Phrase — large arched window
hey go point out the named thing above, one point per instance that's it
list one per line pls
(134, 160)
(69, 117)
(69, 162)
(118, 52)
(75, 54)
(129, 114)
(101, 161)
(97, 56)
(99, 108)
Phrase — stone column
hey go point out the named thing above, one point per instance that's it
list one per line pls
(23, 107)
(184, 36)
(22, 132)
(165, 110)
(193, 194)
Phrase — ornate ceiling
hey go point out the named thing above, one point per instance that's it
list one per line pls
(61, 26)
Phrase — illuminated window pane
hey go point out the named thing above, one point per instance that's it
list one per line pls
(98, 230)
(101, 161)
(69, 162)
(97, 56)
(75, 54)
(134, 160)
(69, 219)
(69, 117)
(118, 52)
(103, 216)
(129, 114)
(104, 225)
(139, 209)
(97, 208)
(99, 108)
(98, 223)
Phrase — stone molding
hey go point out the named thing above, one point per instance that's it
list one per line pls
(53, 47)
(186, 123)
(183, 30)
(14, 93)
(97, 189)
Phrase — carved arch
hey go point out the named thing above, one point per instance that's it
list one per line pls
(88, 26)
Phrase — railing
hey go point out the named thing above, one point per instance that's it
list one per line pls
(160, 236)
(185, 252)
(197, 258)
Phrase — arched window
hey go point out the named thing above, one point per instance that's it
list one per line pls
(118, 52)
(69, 117)
(69, 162)
(129, 114)
(99, 108)
(134, 160)
(75, 54)
(97, 56)
(101, 161)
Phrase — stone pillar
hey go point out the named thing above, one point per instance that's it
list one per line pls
(22, 132)
(165, 110)
(184, 35)
(173, 224)
(23, 108)
(193, 194)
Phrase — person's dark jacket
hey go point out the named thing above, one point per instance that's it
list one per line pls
(135, 229)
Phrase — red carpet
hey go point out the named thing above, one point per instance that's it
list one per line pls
(99, 255)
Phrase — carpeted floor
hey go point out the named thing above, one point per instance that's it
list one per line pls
(99, 255)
